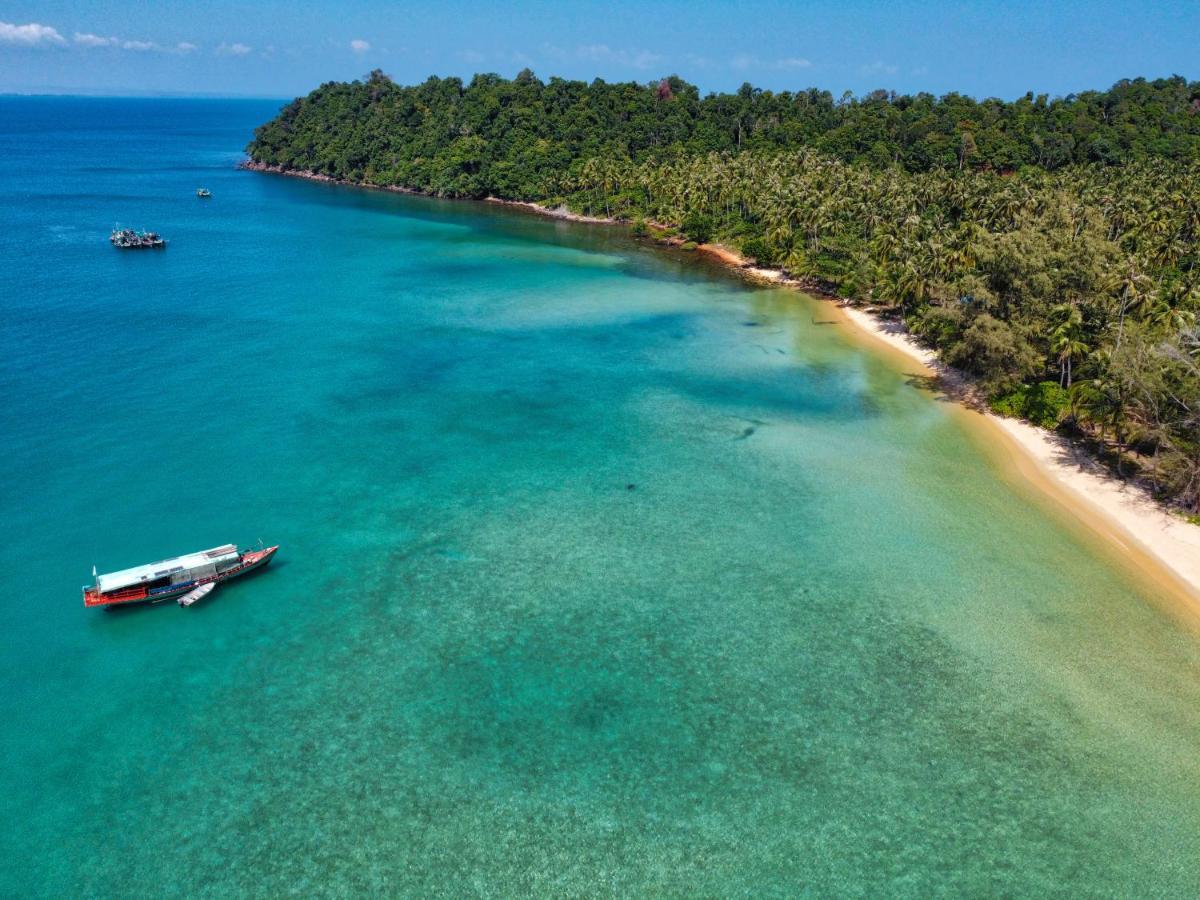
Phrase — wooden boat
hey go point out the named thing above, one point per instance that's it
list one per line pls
(176, 577)
(197, 593)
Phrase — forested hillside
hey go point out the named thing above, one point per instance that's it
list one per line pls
(502, 137)
(1047, 246)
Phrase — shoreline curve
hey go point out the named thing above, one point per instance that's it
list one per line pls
(1163, 548)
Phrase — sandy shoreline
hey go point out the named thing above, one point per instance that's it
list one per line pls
(1161, 546)
(558, 212)
(1122, 513)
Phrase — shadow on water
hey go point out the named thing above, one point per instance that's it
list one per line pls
(944, 389)
(638, 258)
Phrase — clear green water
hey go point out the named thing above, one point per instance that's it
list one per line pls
(818, 647)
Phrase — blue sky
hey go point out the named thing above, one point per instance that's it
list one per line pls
(278, 49)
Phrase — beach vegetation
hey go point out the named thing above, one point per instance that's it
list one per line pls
(699, 227)
(1047, 403)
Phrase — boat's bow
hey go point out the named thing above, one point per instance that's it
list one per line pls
(254, 558)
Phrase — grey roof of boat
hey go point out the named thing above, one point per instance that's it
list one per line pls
(114, 581)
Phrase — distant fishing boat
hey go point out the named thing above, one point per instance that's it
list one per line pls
(128, 239)
(186, 578)
(203, 192)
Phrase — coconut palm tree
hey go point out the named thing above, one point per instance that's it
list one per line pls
(1066, 342)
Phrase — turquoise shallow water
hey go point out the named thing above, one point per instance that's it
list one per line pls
(602, 573)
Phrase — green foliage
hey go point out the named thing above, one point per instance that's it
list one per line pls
(758, 250)
(698, 227)
(515, 139)
(995, 352)
(1046, 403)
(941, 326)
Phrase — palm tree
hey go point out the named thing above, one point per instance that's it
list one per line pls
(1065, 341)
(1135, 291)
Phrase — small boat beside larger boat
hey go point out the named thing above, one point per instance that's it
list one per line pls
(180, 577)
(197, 593)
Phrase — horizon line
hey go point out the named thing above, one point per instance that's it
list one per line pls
(142, 95)
(134, 94)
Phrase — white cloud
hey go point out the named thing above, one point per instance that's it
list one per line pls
(358, 45)
(152, 47)
(31, 35)
(34, 35)
(879, 67)
(749, 61)
(470, 56)
(95, 40)
(234, 49)
(602, 53)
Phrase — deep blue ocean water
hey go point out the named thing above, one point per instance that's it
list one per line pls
(601, 571)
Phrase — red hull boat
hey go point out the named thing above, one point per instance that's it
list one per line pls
(174, 578)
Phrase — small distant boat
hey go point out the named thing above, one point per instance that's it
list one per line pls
(128, 239)
(203, 192)
(181, 578)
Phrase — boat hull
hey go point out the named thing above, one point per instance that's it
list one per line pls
(251, 561)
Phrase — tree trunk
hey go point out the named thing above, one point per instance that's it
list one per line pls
(1120, 449)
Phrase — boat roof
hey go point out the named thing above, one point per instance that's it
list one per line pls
(127, 577)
